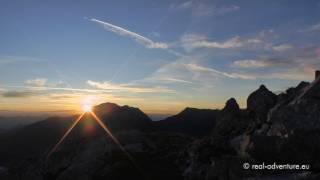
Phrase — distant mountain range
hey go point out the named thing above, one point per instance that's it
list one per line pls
(9, 122)
(194, 144)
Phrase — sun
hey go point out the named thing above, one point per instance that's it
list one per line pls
(86, 107)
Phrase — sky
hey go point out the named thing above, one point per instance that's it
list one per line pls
(160, 56)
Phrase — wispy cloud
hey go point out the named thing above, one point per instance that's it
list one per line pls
(133, 88)
(168, 80)
(36, 82)
(297, 65)
(261, 63)
(18, 94)
(196, 68)
(315, 28)
(282, 47)
(195, 41)
(146, 42)
(18, 59)
(249, 63)
(191, 73)
(200, 8)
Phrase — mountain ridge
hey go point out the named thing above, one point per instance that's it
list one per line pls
(193, 144)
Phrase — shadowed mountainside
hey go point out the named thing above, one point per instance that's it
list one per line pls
(191, 121)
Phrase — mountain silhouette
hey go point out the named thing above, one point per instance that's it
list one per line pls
(190, 121)
(122, 117)
(193, 144)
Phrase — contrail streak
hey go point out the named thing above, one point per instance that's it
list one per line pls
(148, 43)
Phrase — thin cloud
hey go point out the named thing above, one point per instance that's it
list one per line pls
(198, 68)
(18, 94)
(298, 73)
(312, 29)
(189, 72)
(36, 82)
(195, 41)
(47, 88)
(262, 40)
(127, 87)
(249, 63)
(146, 42)
(18, 60)
(282, 47)
(262, 63)
(200, 9)
(170, 80)
(298, 65)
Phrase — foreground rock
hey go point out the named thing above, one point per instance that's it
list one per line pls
(152, 156)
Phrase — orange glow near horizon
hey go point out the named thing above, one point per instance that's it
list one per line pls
(86, 108)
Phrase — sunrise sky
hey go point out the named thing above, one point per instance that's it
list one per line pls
(160, 56)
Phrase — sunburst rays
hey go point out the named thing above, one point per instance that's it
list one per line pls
(104, 127)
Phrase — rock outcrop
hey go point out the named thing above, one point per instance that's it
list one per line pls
(232, 121)
(231, 107)
(260, 102)
(299, 111)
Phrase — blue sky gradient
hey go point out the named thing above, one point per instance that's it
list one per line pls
(158, 55)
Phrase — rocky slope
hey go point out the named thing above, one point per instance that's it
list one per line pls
(279, 128)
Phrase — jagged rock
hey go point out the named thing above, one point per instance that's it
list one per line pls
(300, 111)
(260, 102)
(231, 106)
(231, 120)
(317, 74)
(292, 92)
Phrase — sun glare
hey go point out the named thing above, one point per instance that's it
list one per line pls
(86, 107)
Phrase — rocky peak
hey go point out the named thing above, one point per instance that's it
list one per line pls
(106, 108)
(302, 85)
(231, 106)
(187, 111)
(317, 74)
(260, 102)
(263, 88)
